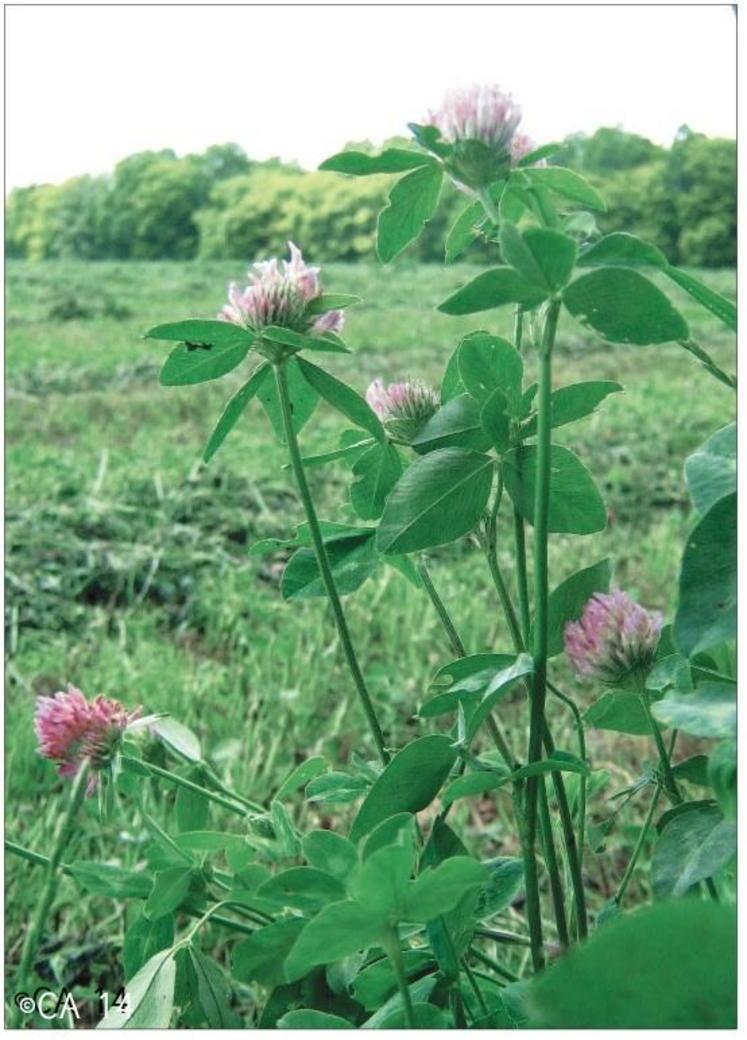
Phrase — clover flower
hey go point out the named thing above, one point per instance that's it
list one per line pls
(614, 638)
(280, 295)
(70, 729)
(403, 407)
(479, 124)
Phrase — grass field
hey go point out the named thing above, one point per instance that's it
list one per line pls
(127, 561)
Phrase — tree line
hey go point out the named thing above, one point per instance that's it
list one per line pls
(222, 204)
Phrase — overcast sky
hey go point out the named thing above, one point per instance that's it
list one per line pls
(87, 86)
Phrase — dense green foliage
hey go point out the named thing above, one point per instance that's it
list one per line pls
(221, 204)
(128, 565)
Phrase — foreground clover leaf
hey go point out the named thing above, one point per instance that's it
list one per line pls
(624, 307)
(440, 497)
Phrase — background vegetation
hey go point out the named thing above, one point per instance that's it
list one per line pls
(223, 204)
(128, 568)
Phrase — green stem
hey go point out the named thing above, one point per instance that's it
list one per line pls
(490, 962)
(553, 870)
(392, 947)
(502, 590)
(136, 765)
(541, 592)
(522, 582)
(502, 937)
(670, 784)
(457, 646)
(281, 379)
(708, 363)
(638, 846)
(39, 919)
(582, 786)
(569, 837)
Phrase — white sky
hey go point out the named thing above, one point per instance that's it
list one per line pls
(87, 86)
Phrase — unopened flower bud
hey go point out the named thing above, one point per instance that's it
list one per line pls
(404, 408)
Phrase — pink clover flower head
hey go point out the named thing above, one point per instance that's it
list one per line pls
(614, 638)
(403, 407)
(482, 113)
(70, 729)
(479, 124)
(278, 293)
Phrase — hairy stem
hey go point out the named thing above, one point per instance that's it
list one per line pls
(638, 846)
(455, 642)
(670, 784)
(281, 379)
(553, 870)
(541, 592)
(392, 947)
(137, 765)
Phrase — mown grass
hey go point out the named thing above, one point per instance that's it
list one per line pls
(127, 560)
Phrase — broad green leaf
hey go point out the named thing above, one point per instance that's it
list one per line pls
(451, 383)
(493, 288)
(394, 830)
(331, 302)
(150, 996)
(308, 1018)
(301, 775)
(709, 711)
(302, 888)
(575, 507)
(336, 788)
(464, 667)
(711, 471)
(235, 409)
(377, 982)
(438, 499)
(693, 846)
(261, 957)
(505, 881)
(303, 398)
(213, 990)
(456, 424)
(343, 398)
(722, 776)
(501, 684)
(143, 939)
(567, 601)
(382, 880)
(566, 183)
(339, 930)
(624, 307)
(557, 762)
(714, 302)
(465, 230)
(618, 710)
(376, 472)
(391, 160)
(693, 769)
(347, 451)
(495, 417)
(540, 255)
(488, 363)
(569, 403)
(473, 784)
(352, 561)
(177, 737)
(188, 364)
(621, 250)
(392, 1011)
(409, 783)
(330, 852)
(427, 1016)
(328, 342)
(450, 934)
(201, 333)
(170, 889)
(543, 152)
(438, 890)
(103, 879)
(412, 202)
(706, 615)
(670, 966)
